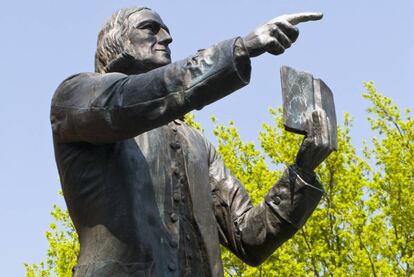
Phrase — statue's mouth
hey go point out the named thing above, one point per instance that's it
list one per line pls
(163, 50)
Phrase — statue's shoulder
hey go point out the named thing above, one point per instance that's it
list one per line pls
(74, 79)
(85, 77)
(84, 82)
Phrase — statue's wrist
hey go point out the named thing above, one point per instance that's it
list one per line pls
(240, 48)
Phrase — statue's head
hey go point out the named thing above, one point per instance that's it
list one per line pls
(133, 40)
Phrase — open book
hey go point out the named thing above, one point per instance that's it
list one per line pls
(302, 94)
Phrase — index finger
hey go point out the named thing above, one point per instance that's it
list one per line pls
(297, 18)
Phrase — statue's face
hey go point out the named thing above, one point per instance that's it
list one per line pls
(149, 38)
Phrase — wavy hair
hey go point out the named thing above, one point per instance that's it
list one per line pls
(112, 39)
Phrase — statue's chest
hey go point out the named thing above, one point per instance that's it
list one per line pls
(178, 164)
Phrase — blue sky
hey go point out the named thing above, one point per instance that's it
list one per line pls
(45, 41)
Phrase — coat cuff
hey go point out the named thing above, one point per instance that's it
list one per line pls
(293, 199)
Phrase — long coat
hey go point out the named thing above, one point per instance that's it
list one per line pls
(132, 173)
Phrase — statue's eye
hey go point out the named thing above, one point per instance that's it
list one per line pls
(153, 27)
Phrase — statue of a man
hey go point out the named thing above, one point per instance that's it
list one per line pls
(149, 195)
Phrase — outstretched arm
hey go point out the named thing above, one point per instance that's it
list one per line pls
(104, 108)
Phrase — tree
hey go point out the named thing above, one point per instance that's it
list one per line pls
(63, 247)
(393, 183)
(363, 226)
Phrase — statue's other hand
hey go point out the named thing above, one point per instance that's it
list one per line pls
(277, 35)
(315, 147)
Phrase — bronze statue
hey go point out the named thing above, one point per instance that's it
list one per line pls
(149, 195)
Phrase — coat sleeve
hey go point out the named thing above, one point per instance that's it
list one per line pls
(254, 233)
(104, 108)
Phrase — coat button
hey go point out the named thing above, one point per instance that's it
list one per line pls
(172, 267)
(173, 244)
(276, 200)
(175, 145)
(174, 217)
(176, 172)
(176, 197)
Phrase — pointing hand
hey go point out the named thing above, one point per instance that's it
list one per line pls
(277, 35)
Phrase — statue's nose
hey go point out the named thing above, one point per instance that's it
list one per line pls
(165, 37)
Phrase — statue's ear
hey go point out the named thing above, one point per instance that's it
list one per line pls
(123, 63)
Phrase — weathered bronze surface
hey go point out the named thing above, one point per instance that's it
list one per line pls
(149, 195)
